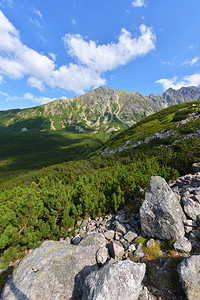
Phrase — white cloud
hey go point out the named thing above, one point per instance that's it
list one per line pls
(53, 56)
(102, 58)
(192, 61)
(34, 82)
(74, 22)
(11, 68)
(40, 100)
(38, 13)
(28, 96)
(71, 76)
(18, 61)
(138, 3)
(175, 83)
(193, 80)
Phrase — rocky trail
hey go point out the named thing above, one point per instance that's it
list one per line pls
(152, 253)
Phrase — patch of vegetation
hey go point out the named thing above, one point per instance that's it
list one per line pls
(152, 251)
(49, 208)
(140, 240)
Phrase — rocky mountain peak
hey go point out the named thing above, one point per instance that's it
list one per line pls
(100, 109)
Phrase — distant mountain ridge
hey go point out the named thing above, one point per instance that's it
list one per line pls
(100, 109)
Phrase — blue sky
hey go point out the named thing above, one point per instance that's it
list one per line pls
(60, 49)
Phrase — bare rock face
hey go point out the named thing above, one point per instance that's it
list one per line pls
(54, 271)
(161, 214)
(189, 276)
(121, 281)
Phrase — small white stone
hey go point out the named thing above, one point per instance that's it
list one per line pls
(131, 248)
(102, 255)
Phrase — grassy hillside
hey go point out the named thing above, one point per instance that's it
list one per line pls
(176, 119)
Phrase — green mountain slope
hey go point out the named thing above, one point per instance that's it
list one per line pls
(166, 127)
(69, 129)
(172, 135)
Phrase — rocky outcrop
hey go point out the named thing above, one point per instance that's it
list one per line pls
(54, 271)
(189, 274)
(161, 214)
(121, 280)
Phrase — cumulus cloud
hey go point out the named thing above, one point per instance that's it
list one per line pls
(18, 61)
(191, 62)
(175, 83)
(138, 3)
(102, 58)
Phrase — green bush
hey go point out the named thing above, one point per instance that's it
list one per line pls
(48, 209)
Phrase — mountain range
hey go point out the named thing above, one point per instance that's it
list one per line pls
(100, 109)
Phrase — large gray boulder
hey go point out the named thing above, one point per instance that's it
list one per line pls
(121, 281)
(161, 214)
(55, 270)
(189, 276)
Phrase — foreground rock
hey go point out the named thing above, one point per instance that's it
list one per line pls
(183, 245)
(121, 281)
(189, 274)
(161, 213)
(54, 271)
(191, 207)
